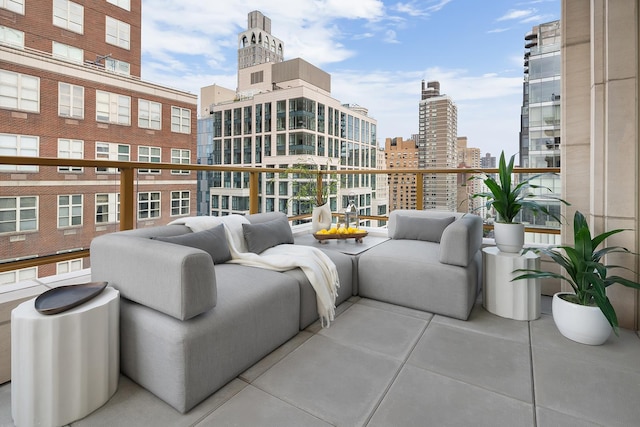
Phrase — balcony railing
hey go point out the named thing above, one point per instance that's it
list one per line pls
(127, 187)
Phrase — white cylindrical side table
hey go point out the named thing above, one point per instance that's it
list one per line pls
(64, 366)
(519, 299)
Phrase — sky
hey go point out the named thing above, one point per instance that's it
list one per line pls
(377, 52)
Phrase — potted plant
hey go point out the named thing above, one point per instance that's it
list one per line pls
(586, 315)
(509, 198)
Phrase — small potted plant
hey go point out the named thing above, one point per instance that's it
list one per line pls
(586, 315)
(508, 198)
(310, 189)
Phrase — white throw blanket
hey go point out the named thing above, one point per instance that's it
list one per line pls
(315, 264)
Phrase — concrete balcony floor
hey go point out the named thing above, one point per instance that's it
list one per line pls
(384, 365)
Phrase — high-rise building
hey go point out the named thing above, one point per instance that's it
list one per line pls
(281, 115)
(70, 87)
(438, 129)
(488, 161)
(540, 122)
(468, 157)
(401, 154)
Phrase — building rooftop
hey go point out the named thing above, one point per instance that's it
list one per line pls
(385, 365)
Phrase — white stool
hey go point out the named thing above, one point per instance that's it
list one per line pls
(64, 366)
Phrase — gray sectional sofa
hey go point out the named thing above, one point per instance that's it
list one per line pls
(189, 325)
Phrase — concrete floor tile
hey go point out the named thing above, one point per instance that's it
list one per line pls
(481, 321)
(620, 352)
(405, 311)
(422, 398)
(5, 405)
(497, 364)
(591, 390)
(338, 384)
(382, 331)
(252, 407)
(548, 418)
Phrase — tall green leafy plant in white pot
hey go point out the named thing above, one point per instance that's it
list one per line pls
(586, 315)
(508, 198)
(311, 188)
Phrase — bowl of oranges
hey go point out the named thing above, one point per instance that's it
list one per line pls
(340, 232)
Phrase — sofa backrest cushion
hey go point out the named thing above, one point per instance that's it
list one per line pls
(264, 235)
(421, 228)
(213, 241)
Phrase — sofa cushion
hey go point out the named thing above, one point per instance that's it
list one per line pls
(421, 228)
(212, 241)
(265, 235)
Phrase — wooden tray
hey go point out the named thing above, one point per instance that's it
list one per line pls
(64, 298)
(357, 236)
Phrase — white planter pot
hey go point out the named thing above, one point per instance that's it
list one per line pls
(509, 237)
(580, 323)
(320, 217)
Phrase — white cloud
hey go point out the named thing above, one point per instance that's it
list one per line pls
(498, 30)
(390, 36)
(516, 14)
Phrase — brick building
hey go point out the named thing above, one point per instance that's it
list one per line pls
(70, 88)
(401, 154)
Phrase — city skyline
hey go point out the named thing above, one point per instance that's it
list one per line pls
(377, 53)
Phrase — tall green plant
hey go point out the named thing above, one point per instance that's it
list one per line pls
(586, 274)
(508, 198)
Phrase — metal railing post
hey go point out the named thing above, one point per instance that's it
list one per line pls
(419, 191)
(127, 199)
(253, 193)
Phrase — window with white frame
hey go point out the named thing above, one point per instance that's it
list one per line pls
(69, 266)
(69, 15)
(113, 108)
(19, 145)
(70, 101)
(149, 205)
(149, 155)
(19, 91)
(149, 114)
(180, 203)
(118, 33)
(180, 120)
(16, 6)
(112, 151)
(15, 276)
(69, 210)
(11, 36)
(117, 66)
(107, 208)
(67, 53)
(18, 214)
(179, 156)
(70, 149)
(125, 4)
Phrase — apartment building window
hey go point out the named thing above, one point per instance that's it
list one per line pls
(149, 205)
(70, 101)
(180, 120)
(149, 114)
(19, 145)
(124, 4)
(118, 33)
(107, 208)
(67, 53)
(149, 155)
(180, 203)
(117, 66)
(179, 156)
(15, 276)
(18, 214)
(19, 91)
(70, 149)
(13, 5)
(11, 37)
(69, 210)
(68, 15)
(113, 108)
(112, 151)
(69, 266)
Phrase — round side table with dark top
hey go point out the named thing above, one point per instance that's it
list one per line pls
(64, 366)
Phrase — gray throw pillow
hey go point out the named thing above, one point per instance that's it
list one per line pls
(212, 241)
(264, 235)
(421, 228)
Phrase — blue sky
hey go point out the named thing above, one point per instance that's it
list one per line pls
(377, 52)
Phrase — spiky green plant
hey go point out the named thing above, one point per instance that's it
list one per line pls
(508, 198)
(586, 274)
